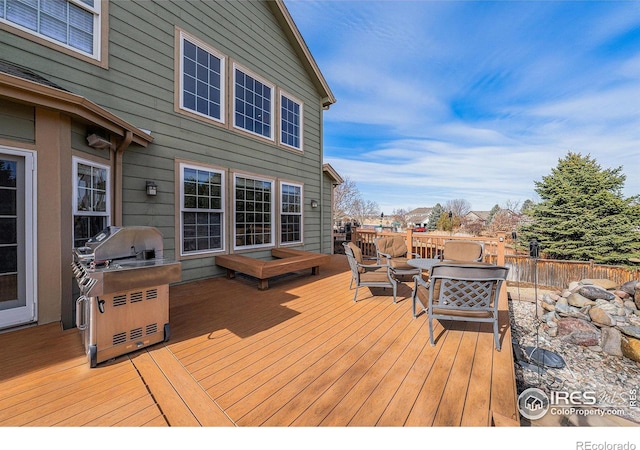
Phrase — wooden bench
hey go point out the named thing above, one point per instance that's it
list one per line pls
(287, 260)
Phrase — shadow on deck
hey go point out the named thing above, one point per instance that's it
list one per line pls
(301, 353)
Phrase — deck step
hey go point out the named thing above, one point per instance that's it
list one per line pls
(165, 375)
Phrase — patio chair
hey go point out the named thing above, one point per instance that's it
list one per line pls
(368, 275)
(460, 291)
(393, 249)
(462, 251)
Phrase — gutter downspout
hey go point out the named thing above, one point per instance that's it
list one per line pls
(322, 180)
(117, 178)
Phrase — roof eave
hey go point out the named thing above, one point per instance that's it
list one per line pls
(29, 92)
(326, 168)
(291, 30)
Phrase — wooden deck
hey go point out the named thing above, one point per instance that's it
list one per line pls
(299, 354)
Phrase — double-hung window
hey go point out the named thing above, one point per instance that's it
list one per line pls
(91, 200)
(201, 79)
(253, 103)
(74, 24)
(290, 121)
(290, 213)
(254, 212)
(202, 209)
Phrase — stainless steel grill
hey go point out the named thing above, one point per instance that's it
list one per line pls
(124, 291)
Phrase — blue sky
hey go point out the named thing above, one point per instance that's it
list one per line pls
(475, 100)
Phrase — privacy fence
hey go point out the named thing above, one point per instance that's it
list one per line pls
(523, 269)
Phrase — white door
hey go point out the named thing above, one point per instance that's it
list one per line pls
(17, 238)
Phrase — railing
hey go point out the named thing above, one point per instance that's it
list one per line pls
(429, 245)
(523, 269)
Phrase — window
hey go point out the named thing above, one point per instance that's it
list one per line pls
(290, 122)
(290, 213)
(253, 222)
(91, 200)
(253, 104)
(202, 207)
(202, 79)
(74, 24)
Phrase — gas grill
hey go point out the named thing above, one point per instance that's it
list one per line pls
(124, 280)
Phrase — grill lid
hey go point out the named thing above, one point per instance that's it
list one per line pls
(123, 242)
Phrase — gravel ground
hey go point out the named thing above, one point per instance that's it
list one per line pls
(613, 380)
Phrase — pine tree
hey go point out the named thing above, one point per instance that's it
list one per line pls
(492, 213)
(434, 216)
(583, 214)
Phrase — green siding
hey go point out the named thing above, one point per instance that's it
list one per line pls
(139, 87)
(17, 122)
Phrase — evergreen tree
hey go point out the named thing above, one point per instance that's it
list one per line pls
(492, 213)
(526, 206)
(434, 216)
(583, 215)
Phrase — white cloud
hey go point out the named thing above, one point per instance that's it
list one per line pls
(474, 100)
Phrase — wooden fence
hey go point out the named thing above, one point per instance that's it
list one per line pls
(550, 273)
(556, 273)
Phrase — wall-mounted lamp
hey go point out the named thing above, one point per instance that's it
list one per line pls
(152, 188)
(98, 142)
(314, 203)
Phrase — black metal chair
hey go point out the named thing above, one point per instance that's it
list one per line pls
(460, 291)
(369, 275)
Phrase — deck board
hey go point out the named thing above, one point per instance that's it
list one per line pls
(301, 353)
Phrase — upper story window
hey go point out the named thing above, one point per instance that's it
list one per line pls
(202, 79)
(290, 121)
(91, 200)
(74, 24)
(202, 193)
(253, 104)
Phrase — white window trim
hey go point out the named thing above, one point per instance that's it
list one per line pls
(282, 213)
(91, 163)
(96, 10)
(272, 114)
(223, 77)
(222, 211)
(301, 104)
(273, 212)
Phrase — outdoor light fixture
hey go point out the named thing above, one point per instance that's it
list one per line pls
(314, 203)
(98, 142)
(152, 188)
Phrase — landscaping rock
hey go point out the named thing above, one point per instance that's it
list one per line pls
(548, 306)
(578, 331)
(574, 286)
(595, 293)
(630, 305)
(562, 306)
(622, 294)
(631, 348)
(602, 282)
(633, 331)
(600, 317)
(611, 341)
(606, 306)
(578, 300)
(629, 287)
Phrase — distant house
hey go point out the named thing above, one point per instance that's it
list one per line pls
(477, 217)
(218, 103)
(418, 217)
